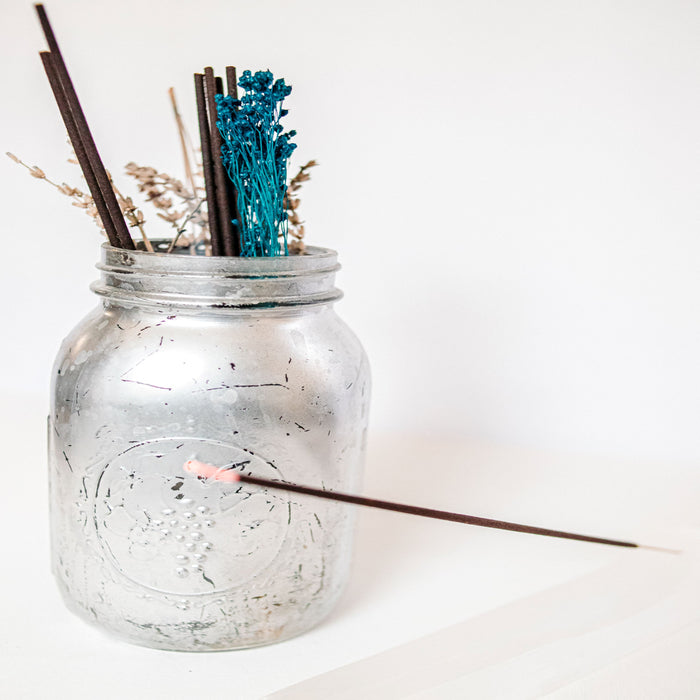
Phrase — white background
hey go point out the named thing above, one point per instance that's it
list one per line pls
(513, 188)
(514, 192)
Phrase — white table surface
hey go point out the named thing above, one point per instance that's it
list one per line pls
(411, 576)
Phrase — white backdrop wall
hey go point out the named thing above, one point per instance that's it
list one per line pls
(513, 187)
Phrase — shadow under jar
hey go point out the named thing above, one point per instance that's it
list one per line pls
(236, 362)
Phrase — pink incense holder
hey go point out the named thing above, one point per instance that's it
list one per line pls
(207, 471)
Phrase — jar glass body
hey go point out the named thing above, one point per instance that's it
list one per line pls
(234, 362)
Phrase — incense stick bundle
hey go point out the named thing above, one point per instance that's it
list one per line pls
(245, 180)
(81, 138)
(47, 59)
(208, 471)
(221, 194)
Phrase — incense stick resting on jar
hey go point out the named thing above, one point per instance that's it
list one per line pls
(230, 475)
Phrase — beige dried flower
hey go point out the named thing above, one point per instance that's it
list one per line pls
(159, 189)
(132, 214)
(81, 200)
(69, 191)
(291, 204)
(172, 217)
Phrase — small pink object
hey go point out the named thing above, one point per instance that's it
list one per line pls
(209, 471)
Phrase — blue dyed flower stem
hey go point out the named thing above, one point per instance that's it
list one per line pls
(255, 152)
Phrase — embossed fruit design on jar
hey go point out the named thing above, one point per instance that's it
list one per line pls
(236, 362)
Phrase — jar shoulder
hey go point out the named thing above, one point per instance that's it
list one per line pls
(134, 345)
(74, 349)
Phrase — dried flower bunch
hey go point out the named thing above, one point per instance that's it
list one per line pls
(158, 189)
(255, 152)
(237, 200)
(85, 201)
(291, 205)
(80, 199)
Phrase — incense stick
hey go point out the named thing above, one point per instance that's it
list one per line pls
(48, 60)
(112, 217)
(231, 194)
(207, 168)
(208, 471)
(232, 88)
(220, 177)
(232, 82)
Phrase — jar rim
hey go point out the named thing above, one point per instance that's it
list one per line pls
(228, 284)
(314, 260)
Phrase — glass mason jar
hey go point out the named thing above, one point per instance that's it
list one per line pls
(237, 362)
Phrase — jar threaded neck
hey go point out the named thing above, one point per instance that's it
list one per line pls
(222, 284)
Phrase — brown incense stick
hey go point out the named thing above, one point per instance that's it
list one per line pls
(112, 218)
(230, 475)
(48, 60)
(209, 183)
(231, 191)
(429, 512)
(220, 176)
(232, 82)
(231, 194)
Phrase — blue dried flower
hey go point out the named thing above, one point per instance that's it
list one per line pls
(255, 151)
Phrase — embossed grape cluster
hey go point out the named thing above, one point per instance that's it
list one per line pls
(186, 529)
